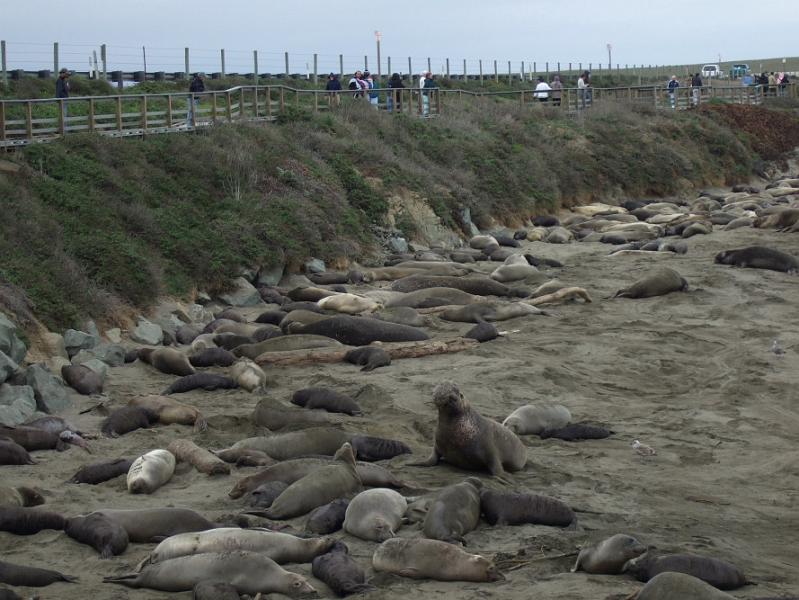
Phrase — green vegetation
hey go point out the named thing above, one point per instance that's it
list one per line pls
(93, 225)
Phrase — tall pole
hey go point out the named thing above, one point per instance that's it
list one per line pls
(104, 58)
(144, 60)
(610, 61)
(3, 61)
(379, 66)
(186, 57)
(286, 56)
(341, 66)
(222, 57)
(410, 70)
(55, 58)
(255, 65)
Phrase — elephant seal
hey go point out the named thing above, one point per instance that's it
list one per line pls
(609, 556)
(148, 525)
(421, 558)
(328, 278)
(301, 317)
(212, 357)
(8, 594)
(214, 590)
(350, 304)
(337, 569)
(30, 576)
(271, 317)
(576, 431)
(454, 512)
(434, 296)
(12, 453)
(200, 458)
(231, 341)
(167, 360)
(102, 471)
(509, 273)
(718, 573)
(478, 242)
(375, 515)
(169, 411)
(150, 471)
(245, 457)
(361, 331)
(33, 438)
(466, 439)
(106, 536)
(559, 235)
(542, 262)
(204, 381)
(534, 418)
(264, 495)
(82, 379)
(698, 228)
(326, 399)
(186, 334)
(506, 240)
(738, 223)
(479, 286)
(328, 518)
(280, 547)
(489, 311)
(401, 315)
(319, 487)
(275, 415)
(483, 332)
(668, 586)
(202, 342)
(249, 572)
(291, 342)
(369, 357)
(546, 221)
(309, 294)
(659, 282)
(504, 508)
(127, 419)
(27, 521)
(248, 375)
(370, 449)
(759, 257)
(20, 496)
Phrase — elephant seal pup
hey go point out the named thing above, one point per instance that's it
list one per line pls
(326, 399)
(167, 360)
(504, 508)
(275, 415)
(271, 317)
(171, 411)
(421, 558)
(319, 487)
(466, 439)
(248, 375)
(212, 357)
(27, 521)
(361, 331)
(102, 471)
(337, 569)
(370, 449)
(483, 332)
(669, 586)
(12, 453)
(150, 471)
(214, 590)
(375, 515)
(148, 525)
(577, 431)
(280, 547)
(454, 512)
(659, 282)
(534, 418)
(370, 357)
(82, 379)
(127, 419)
(30, 576)
(106, 536)
(200, 458)
(203, 381)
(328, 518)
(609, 556)
(19, 496)
(249, 572)
(349, 304)
(434, 296)
(489, 311)
(264, 495)
(718, 573)
(758, 257)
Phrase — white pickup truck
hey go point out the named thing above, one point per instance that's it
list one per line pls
(712, 71)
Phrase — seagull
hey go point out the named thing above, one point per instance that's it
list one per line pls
(776, 348)
(643, 449)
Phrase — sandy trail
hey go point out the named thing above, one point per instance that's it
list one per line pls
(690, 374)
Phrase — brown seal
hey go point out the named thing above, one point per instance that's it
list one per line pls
(20, 496)
(467, 439)
(167, 360)
(27, 521)
(659, 282)
(370, 357)
(327, 399)
(127, 419)
(275, 415)
(454, 512)
(148, 525)
(30, 576)
(12, 453)
(108, 537)
(102, 471)
(609, 556)
(33, 438)
(421, 558)
(200, 458)
(212, 357)
(672, 586)
(503, 508)
(203, 381)
(171, 411)
(82, 379)
(718, 573)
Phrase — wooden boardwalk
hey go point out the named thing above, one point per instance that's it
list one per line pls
(24, 122)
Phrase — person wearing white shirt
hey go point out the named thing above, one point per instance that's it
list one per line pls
(583, 88)
(542, 90)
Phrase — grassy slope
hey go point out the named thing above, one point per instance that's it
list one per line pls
(93, 224)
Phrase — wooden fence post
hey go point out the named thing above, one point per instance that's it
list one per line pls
(186, 59)
(315, 69)
(55, 58)
(61, 120)
(213, 107)
(510, 75)
(3, 61)
(104, 59)
(228, 107)
(2, 120)
(91, 114)
(286, 56)
(169, 110)
(144, 113)
(119, 113)
(222, 57)
(464, 70)
(481, 71)
(241, 103)
(268, 102)
(255, 66)
(29, 120)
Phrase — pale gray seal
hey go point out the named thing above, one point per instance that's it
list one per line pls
(421, 558)
(609, 556)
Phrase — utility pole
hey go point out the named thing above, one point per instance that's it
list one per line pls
(378, 37)
(610, 60)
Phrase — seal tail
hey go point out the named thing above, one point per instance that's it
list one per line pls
(129, 580)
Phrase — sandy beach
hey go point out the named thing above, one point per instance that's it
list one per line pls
(690, 374)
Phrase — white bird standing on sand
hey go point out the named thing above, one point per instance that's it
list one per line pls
(776, 348)
(643, 449)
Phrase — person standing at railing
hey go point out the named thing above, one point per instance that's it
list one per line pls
(334, 87)
(197, 86)
(372, 84)
(357, 84)
(673, 86)
(772, 84)
(62, 87)
(557, 90)
(542, 90)
(783, 83)
(427, 91)
(394, 101)
(583, 88)
(696, 89)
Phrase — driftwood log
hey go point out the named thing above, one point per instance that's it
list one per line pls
(394, 349)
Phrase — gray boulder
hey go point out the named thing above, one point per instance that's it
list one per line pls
(7, 367)
(75, 341)
(271, 276)
(52, 394)
(114, 335)
(466, 219)
(398, 245)
(199, 314)
(10, 344)
(17, 404)
(147, 333)
(314, 266)
(242, 294)
(97, 366)
(112, 355)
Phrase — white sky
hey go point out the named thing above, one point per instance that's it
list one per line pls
(648, 32)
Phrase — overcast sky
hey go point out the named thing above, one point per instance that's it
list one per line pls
(648, 32)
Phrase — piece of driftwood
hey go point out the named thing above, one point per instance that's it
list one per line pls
(394, 349)
(562, 294)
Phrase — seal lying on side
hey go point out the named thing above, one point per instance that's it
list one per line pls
(319, 440)
(106, 536)
(468, 440)
(328, 518)
(150, 471)
(20, 496)
(212, 357)
(718, 573)
(167, 360)
(214, 590)
(659, 282)
(375, 515)
(205, 381)
(127, 419)
(671, 586)
(248, 375)
(148, 525)
(370, 448)
(82, 379)
(327, 399)
(275, 415)
(505, 508)
(421, 558)
(30, 576)
(32, 438)
(102, 471)
(28, 521)
(370, 357)
(534, 418)
(454, 512)
(609, 556)
(758, 257)
(576, 431)
(171, 411)
(361, 331)
(489, 311)
(340, 572)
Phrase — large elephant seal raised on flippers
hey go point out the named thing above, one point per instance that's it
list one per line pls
(421, 558)
(758, 257)
(609, 556)
(659, 282)
(468, 440)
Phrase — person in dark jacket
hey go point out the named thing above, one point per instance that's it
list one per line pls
(62, 87)
(427, 91)
(395, 97)
(673, 85)
(696, 89)
(197, 86)
(334, 86)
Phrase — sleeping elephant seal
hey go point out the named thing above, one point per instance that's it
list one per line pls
(326, 399)
(318, 440)
(148, 525)
(535, 418)
(150, 471)
(169, 411)
(102, 471)
(361, 331)
(248, 375)
(28, 521)
(759, 257)
(502, 508)
(718, 573)
(489, 311)
(375, 515)
(670, 586)
(609, 556)
(434, 296)
(421, 558)
(350, 304)
(482, 332)
(275, 415)
(82, 379)
(19, 496)
(203, 381)
(167, 360)
(106, 536)
(30, 576)
(214, 590)
(340, 572)
(213, 357)
(454, 512)
(249, 572)
(370, 357)
(127, 419)
(480, 286)
(466, 439)
(328, 518)
(659, 282)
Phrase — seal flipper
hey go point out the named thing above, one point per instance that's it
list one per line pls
(430, 462)
(129, 580)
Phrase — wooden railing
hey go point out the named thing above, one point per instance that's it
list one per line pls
(40, 120)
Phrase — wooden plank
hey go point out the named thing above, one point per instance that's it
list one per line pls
(169, 110)
(144, 112)
(29, 120)
(119, 113)
(228, 107)
(2, 120)
(91, 114)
